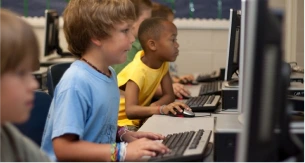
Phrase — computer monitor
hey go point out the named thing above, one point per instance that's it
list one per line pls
(52, 36)
(242, 53)
(233, 44)
(265, 84)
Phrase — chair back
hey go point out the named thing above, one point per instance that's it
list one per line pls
(34, 127)
(54, 74)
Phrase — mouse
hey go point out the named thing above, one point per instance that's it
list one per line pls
(194, 82)
(184, 113)
(186, 82)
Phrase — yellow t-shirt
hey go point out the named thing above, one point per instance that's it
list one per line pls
(146, 78)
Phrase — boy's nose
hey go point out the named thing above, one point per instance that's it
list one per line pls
(132, 39)
(34, 83)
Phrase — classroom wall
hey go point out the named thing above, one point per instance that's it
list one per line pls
(203, 42)
(203, 46)
(300, 33)
(278, 4)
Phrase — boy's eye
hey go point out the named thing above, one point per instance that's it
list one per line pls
(21, 73)
(125, 30)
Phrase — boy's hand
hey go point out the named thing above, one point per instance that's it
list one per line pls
(179, 106)
(132, 136)
(180, 90)
(186, 78)
(144, 147)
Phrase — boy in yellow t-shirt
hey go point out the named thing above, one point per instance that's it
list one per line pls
(139, 80)
(159, 10)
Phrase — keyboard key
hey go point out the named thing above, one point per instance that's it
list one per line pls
(210, 88)
(178, 143)
(207, 103)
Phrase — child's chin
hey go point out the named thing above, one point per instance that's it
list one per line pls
(22, 119)
(121, 61)
(173, 60)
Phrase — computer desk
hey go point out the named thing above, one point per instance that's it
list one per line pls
(164, 124)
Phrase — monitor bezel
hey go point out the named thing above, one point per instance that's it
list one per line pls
(232, 63)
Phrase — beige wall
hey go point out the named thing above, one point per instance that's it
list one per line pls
(201, 51)
(300, 33)
(203, 43)
(278, 4)
(294, 36)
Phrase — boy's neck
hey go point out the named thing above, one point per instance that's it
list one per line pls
(97, 61)
(151, 61)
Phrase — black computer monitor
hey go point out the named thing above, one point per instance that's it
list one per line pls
(52, 35)
(265, 84)
(233, 44)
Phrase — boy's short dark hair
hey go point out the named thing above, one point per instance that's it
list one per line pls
(87, 19)
(150, 29)
(159, 10)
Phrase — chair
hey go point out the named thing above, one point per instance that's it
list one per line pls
(34, 127)
(54, 75)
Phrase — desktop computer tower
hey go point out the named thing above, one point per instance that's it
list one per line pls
(226, 145)
(227, 128)
(230, 94)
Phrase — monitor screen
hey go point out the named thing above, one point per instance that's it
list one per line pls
(265, 84)
(52, 43)
(51, 32)
(233, 44)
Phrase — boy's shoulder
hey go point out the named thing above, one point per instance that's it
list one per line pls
(136, 63)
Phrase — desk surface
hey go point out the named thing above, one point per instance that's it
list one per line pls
(194, 89)
(164, 124)
(224, 122)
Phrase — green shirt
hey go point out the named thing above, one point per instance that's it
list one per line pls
(136, 46)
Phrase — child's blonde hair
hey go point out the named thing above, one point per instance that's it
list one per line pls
(87, 19)
(141, 5)
(159, 10)
(18, 42)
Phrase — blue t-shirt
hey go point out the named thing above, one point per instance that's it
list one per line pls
(85, 103)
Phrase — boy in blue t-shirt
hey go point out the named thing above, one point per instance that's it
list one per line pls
(82, 121)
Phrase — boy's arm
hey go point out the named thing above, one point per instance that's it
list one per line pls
(168, 95)
(132, 108)
(69, 148)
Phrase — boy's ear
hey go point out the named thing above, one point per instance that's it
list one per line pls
(96, 42)
(152, 45)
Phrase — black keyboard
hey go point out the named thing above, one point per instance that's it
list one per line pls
(207, 103)
(184, 146)
(211, 88)
(214, 76)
